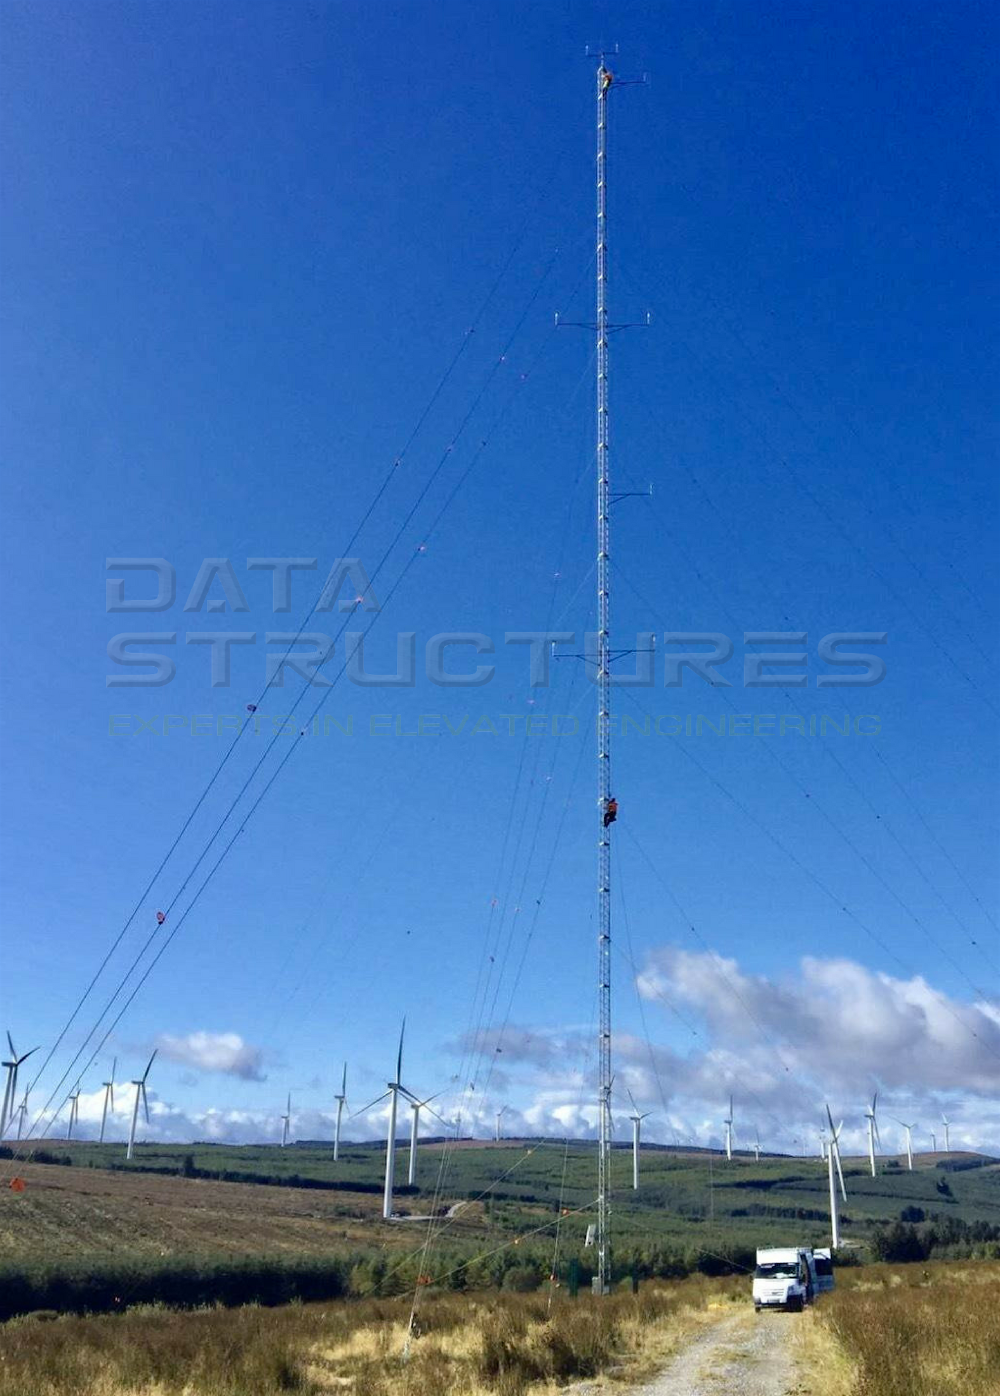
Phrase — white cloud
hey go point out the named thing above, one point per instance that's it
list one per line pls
(224, 1052)
(837, 1022)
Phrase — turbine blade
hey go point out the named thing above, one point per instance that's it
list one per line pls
(145, 1101)
(150, 1063)
(371, 1104)
(830, 1118)
(112, 1090)
(840, 1171)
(10, 1044)
(27, 1055)
(343, 1083)
(399, 1054)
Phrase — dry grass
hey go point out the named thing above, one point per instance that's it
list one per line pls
(465, 1345)
(910, 1330)
(816, 1349)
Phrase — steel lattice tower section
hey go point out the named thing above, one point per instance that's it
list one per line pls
(603, 1277)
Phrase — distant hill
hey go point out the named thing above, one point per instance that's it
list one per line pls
(688, 1198)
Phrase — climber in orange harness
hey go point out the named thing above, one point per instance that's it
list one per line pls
(610, 811)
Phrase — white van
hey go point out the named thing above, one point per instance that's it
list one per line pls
(782, 1279)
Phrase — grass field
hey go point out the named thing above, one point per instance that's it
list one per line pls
(88, 1209)
(92, 1236)
(88, 1212)
(462, 1345)
(909, 1330)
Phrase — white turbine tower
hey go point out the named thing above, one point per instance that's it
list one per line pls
(140, 1091)
(873, 1134)
(833, 1155)
(10, 1088)
(416, 1106)
(392, 1094)
(909, 1141)
(637, 1120)
(74, 1110)
(341, 1103)
(109, 1095)
(933, 1142)
(286, 1121)
(497, 1130)
(756, 1144)
(947, 1135)
(822, 1145)
(728, 1122)
(22, 1114)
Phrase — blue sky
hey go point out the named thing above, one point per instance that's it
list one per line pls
(243, 244)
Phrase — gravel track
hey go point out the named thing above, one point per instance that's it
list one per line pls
(743, 1355)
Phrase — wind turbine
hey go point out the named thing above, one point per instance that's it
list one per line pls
(10, 1089)
(947, 1136)
(497, 1131)
(933, 1142)
(109, 1095)
(822, 1145)
(140, 1090)
(341, 1102)
(392, 1094)
(74, 1110)
(728, 1122)
(286, 1120)
(756, 1144)
(637, 1120)
(22, 1114)
(873, 1133)
(416, 1106)
(833, 1154)
(909, 1141)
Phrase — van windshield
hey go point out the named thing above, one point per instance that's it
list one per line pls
(777, 1270)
